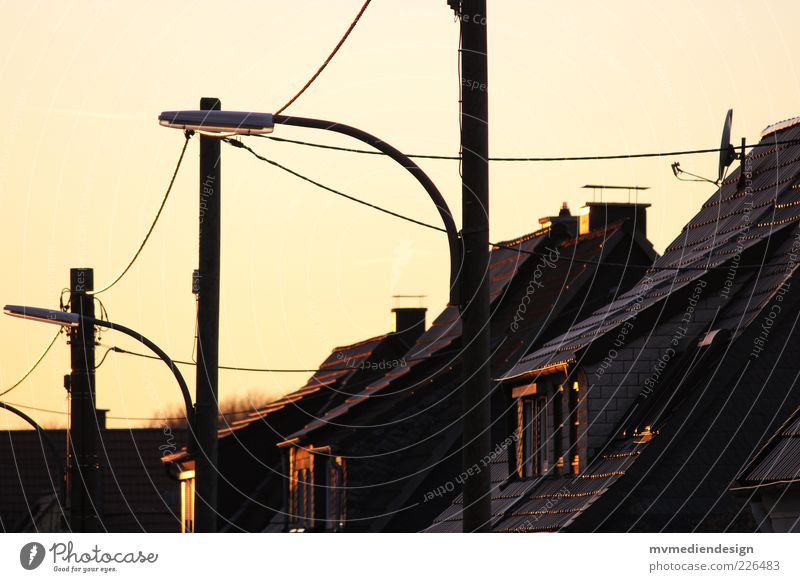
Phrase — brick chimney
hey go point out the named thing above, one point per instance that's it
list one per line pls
(409, 322)
(596, 215)
(564, 219)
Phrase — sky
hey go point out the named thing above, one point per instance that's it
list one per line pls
(84, 163)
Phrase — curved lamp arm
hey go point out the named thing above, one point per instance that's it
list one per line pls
(187, 398)
(453, 238)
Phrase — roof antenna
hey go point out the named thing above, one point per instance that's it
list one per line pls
(727, 154)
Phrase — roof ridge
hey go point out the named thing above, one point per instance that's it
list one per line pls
(522, 239)
(360, 343)
(780, 125)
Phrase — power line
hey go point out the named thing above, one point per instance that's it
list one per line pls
(64, 413)
(518, 249)
(238, 368)
(188, 135)
(33, 367)
(533, 159)
(328, 60)
(351, 150)
(239, 144)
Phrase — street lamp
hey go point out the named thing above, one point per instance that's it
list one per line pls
(214, 124)
(228, 123)
(66, 319)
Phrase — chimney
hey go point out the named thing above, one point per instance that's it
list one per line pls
(564, 219)
(100, 414)
(409, 323)
(597, 215)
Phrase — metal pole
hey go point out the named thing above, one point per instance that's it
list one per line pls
(83, 462)
(475, 232)
(206, 395)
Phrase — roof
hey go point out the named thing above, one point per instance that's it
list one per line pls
(731, 221)
(507, 259)
(137, 493)
(332, 375)
(543, 504)
(779, 461)
(446, 329)
(689, 459)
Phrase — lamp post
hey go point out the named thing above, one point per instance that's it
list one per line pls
(212, 125)
(72, 320)
(75, 320)
(229, 123)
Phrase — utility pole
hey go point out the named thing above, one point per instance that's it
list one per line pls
(83, 462)
(207, 387)
(475, 314)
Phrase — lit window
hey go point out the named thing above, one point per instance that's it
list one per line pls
(317, 498)
(533, 445)
(337, 501)
(301, 492)
(187, 480)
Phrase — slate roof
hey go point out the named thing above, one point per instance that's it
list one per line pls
(761, 217)
(332, 377)
(137, 493)
(445, 330)
(578, 255)
(406, 441)
(545, 503)
(732, 221)
(779, 461)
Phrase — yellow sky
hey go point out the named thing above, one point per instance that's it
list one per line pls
(83, 162)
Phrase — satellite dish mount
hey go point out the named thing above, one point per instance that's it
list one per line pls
(727, 154)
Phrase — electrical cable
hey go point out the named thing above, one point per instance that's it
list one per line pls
(35, 364)
(328, 60)
(533, 159)
(188, 135)
(65, 413)
(237, 368)
(518, 249)
(239, 144)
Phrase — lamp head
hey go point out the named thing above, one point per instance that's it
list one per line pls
(219, 123)
(45, 315)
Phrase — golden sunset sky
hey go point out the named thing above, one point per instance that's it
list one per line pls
(84, 163)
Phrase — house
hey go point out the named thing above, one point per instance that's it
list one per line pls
(387, 457)
(640, 416)
(770, 483)
(136, 494)
(251, 484)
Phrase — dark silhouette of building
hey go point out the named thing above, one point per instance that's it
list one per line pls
(136, 494)
(642, 415)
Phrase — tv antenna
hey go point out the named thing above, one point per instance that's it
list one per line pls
(727, 154)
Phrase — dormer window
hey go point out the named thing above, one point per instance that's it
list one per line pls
(317, 490)
(534, 427)
(533, 436)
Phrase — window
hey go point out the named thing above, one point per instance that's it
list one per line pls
(533, 444)
(187, 480)
(301, 492)
(316, 490)
(337, 502)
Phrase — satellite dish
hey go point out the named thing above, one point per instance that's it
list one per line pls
(726, 152)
